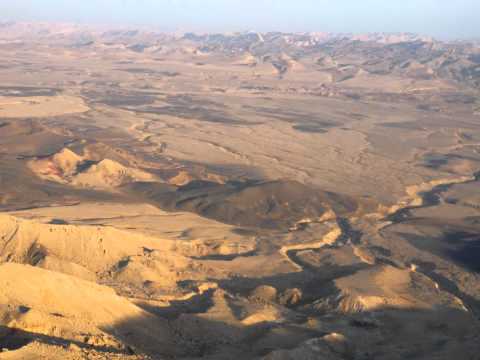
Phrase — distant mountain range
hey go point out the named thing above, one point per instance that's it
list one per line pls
(346, 55)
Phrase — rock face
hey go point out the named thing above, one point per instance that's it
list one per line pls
(264, 293)
(67, 167)
(88, 252)
(330, 347)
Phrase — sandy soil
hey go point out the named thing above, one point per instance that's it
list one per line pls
(41, 106)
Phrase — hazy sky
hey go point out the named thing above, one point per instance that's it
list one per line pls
(441, 18)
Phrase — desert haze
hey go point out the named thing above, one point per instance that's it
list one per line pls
(271, 196)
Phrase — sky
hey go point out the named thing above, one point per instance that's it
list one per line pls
(438, 18)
